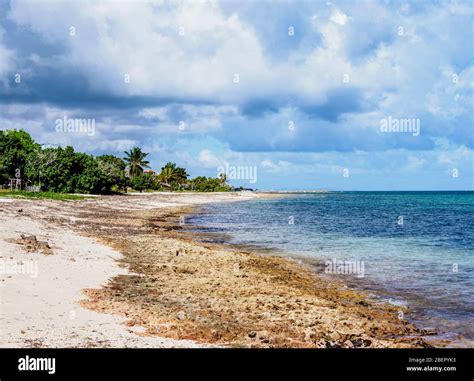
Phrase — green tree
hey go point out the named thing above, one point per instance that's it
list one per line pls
(181, 177)
(64, 170)
(223, 178)
(172, 176)
(143, 182)
(70, 172)
(88, 178)
(167, 174)
(37, 163)
(209, 184)
(114, 170)
(59, 177)
(135, 160)
(15, 149)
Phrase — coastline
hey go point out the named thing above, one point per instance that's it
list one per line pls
(173, 290)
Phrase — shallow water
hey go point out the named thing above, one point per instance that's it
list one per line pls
(415, 248)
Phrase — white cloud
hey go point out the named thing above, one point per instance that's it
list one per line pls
(208, 160)
(400, 75)
(142, 39)
(339, 17)
(272, 167)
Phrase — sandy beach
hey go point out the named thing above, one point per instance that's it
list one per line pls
(123, 271)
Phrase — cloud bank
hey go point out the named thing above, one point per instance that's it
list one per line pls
(297, 88)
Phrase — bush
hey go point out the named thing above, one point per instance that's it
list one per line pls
(209, 184)
(15, 149)
(143, 182)
(63, 170)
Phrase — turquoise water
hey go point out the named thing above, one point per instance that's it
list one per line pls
(417, 248)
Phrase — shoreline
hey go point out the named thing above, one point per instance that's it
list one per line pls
(441, 334)
(377, 295)
(173, 288)
(39, 293)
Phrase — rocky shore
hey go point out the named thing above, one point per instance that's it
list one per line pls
(174, 286)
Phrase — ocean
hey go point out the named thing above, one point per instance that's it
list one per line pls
(413, 249)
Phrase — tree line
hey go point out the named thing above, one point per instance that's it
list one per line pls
(67, 171)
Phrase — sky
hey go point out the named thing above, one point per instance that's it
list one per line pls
(337, 95)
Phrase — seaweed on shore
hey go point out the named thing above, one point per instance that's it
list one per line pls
(180, 288)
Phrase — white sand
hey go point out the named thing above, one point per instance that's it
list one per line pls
(43, 310)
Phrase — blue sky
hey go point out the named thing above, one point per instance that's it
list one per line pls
(296, 89)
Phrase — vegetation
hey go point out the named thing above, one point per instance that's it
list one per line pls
(136, 162)
(173, 177)
(62, 170)
(208, 184)
(144, 182)
(15, 149)
(114, 170)
(41, 195)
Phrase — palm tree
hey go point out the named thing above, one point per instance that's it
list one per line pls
(136, 162)
(223, 178)
(181, 176)
(171, 174)
(167, 175)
